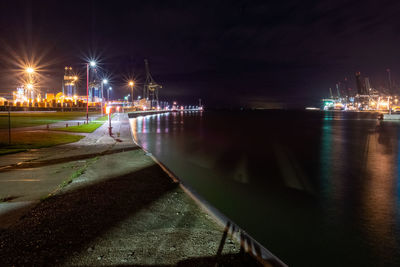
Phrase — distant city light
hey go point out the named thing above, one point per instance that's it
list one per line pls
(131, 83)
(105, 81)
(29, 86)
(110, 88)
(92, 63)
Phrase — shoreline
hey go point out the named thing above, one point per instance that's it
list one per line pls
(250, 244)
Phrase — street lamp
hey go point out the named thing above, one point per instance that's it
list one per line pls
(108, 111)
(108, 93)
(92, 64)
(103, 82)
(132, 84)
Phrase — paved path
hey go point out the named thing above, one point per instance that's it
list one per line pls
(27, 177)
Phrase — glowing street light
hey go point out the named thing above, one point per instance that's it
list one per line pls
(29, 70)
(92, 64)
(29, 86)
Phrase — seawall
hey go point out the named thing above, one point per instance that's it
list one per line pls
(247, 242)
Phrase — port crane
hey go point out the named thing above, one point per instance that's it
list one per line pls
(150, 88)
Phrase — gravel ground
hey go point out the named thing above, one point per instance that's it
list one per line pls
(123, 211)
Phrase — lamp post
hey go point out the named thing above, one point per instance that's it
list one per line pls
(132, 84)
(92, 64)
(108, 94)
(103, 82)
(108, 112)
(9, 125)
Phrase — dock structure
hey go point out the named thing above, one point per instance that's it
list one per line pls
(150, 88)
(366, 98)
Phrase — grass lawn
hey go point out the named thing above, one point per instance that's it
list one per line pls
(84, 128)
(21, 141)
(25, 119)
(4, 151)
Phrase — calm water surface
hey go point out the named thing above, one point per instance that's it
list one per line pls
(315, 188)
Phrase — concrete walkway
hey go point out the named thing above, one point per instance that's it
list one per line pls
(28, 177)
(121, 208)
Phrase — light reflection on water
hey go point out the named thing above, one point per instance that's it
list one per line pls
(308, 186)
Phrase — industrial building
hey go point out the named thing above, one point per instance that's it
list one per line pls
(366, 98)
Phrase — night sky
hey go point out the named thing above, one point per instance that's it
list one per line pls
(229, 53)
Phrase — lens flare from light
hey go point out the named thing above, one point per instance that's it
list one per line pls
(30, 70)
